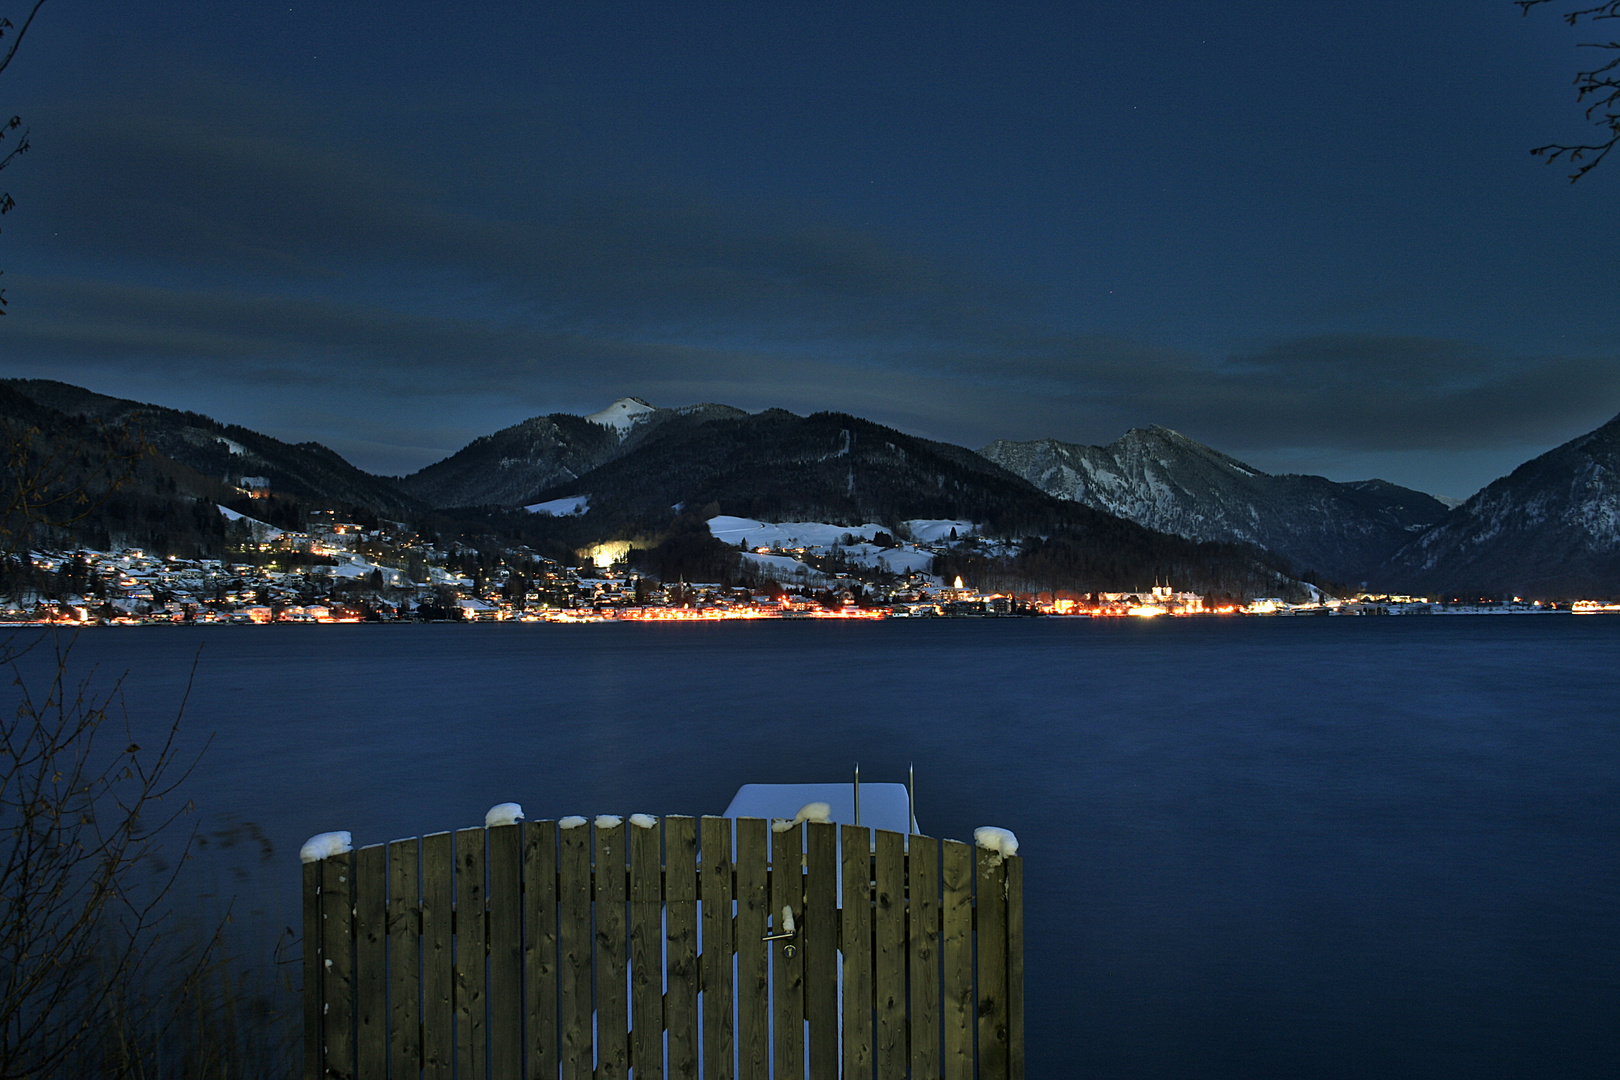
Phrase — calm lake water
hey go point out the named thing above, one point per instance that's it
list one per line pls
(1265, 848)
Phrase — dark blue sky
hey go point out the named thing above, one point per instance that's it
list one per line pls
(1308, 234)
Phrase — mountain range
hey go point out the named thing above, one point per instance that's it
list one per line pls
(1166, 481)
(1153, 504)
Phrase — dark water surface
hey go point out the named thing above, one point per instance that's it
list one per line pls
(1266, 848)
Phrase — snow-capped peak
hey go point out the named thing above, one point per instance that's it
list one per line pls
(622, 415)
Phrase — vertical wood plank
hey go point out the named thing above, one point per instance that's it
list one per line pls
(857, 948)
(404, 960)
(506, 952)
(371, 962)
(438, 969)
(314, 1002)
(922, 932)
(753, 971)
(472, 955)
(540, 946)
(574, 951)
(957, 1015)
(680, 945)
(612, 997)
(889, 966)
(337, 957)
(646, 953)
(990, 902)
(1015, 968)
(820, 935)
(719, 1045)
(787, 999)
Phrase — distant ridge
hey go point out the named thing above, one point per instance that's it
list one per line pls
(1550, 528)
(224, 453)
(1164, 480)
(513, 466)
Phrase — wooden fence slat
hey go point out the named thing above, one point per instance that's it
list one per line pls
(753, 971)
(506, 952)
(540, 946)
(857, 947)
(574, 952)
(337, 957)
(404, 961)
(472, 955)
(680, 945)
(922, 931)
(438, 969)
(403, 966)
(957, 951)
(990, 901)
(719, 1045)
(820, 933)
(889, 962)
(787, 892)
(612, 991)
(371, 962)
(314, 999)
(646, 953)
(1015, 968)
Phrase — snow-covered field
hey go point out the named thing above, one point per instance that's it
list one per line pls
(262, 530)
(789, 571)
(564, 507)
(820, 538)
(936, 530)
(789, 534)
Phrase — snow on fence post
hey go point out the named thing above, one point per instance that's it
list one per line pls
(405, 938)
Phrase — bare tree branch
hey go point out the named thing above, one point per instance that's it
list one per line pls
(1598, 89)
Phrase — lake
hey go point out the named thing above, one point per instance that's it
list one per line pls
(1258, 848)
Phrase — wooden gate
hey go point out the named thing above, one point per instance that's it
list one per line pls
(661, 949)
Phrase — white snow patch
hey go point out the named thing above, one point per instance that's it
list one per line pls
(568, 506)
(324, 845)
(644, 821)
(622, 415)
(506, 813)
(788, 534)
(786, 569)
(1001, 843)
(787, 920)
(895, 560)
(818, 812)
(572, 821)
(234, 447)
(262, 530)
(931, 530)
(608, 821)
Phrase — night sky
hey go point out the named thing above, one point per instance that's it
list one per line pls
(1309, 234)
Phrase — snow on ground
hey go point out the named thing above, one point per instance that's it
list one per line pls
(235, 447)
(622, 415)
(900, 561)
(931, 530)
(564, 507)
(262, 530)
(788, 534)
(788, 570)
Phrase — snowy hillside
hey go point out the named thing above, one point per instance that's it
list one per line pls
(1164, 480)
(1551, 528)
(623, 415)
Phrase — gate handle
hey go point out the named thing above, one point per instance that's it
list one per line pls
(788, 929)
